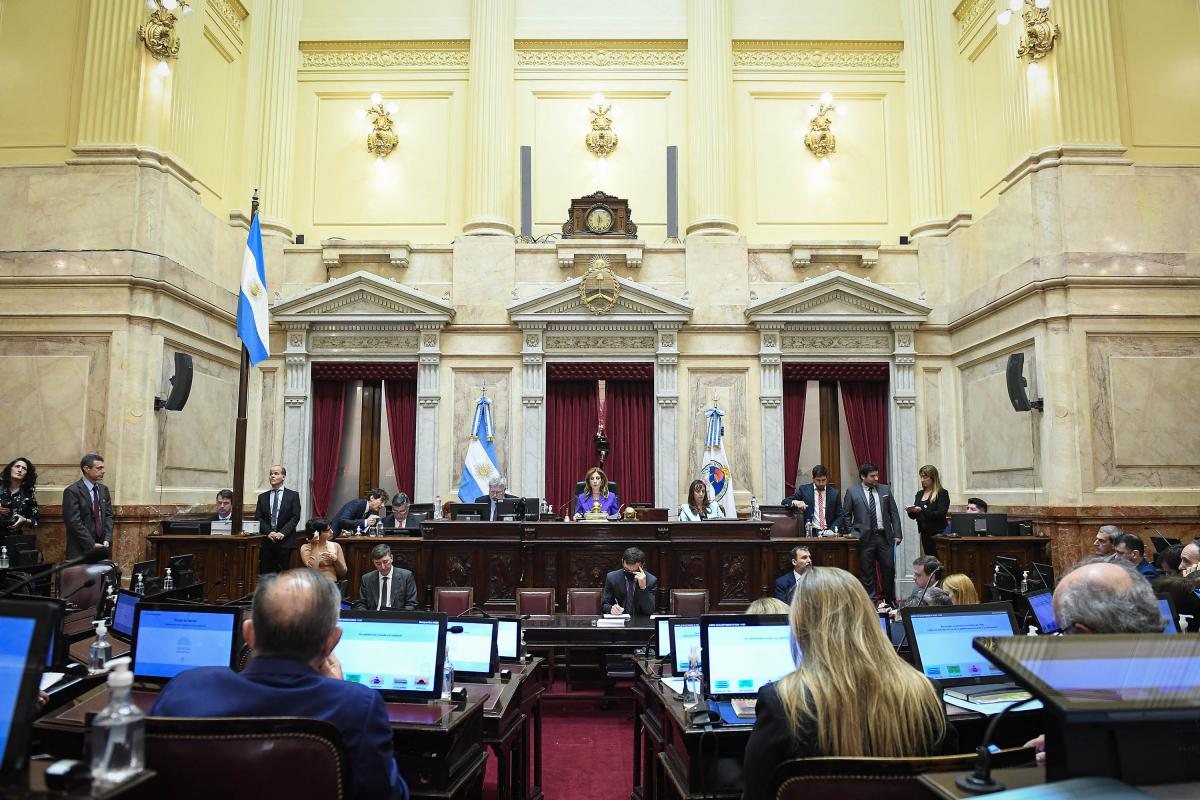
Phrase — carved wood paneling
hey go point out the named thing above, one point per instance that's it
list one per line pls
(690, 570)
(459, 567)
(587, 569)
(504, 572)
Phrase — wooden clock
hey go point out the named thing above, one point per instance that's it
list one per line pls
(599, 215)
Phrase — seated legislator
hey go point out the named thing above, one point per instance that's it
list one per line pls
(595, 492)
(361, 513)
(976, 506)
(386, 586)
(1131, 548)
(497, 493)
(293, 628)
(818, 501)
(785, 585)
(630, 589)
(400, 518)
(698, 507)
(929, 508)
(320, 553)
(851, 695)
(961, 589)
(224, 506)
(766, 606)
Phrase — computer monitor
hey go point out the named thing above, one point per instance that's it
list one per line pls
(964, 523)
(468, 511)
(741, 652)
(1007, 574)
(169, 638)
(1163, 543)
(1042, 605)
(149, 572)
(183, 570)
(473, 651)
(25, 630)
(124, 615)
(508, 638)
(662, 637)
(1166, 607)
(1044, 573)
(400, 655)
(685, 637)
(22, 550)
(189, 527)
(883, 623)
(941, 637)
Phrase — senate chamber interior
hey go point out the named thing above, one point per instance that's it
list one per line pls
(659, 400)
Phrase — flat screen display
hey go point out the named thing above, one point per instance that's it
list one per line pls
(508, 639)
(16, 637)
(123, 613)
(396, 654)
(25, 631)
(1042, 604)
(170, 639)
(662, 636)
(685, 637)
(883, 623)
(472, 652)
(941, 640)
(742, 653)
(1170, 621)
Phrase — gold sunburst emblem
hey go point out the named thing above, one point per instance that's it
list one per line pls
(599, 288)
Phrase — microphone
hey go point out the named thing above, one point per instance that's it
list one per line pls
(95, 555)
(454, 629)
(90, 582)
(482, 613)
(980, 781)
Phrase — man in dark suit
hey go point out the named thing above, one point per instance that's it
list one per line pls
(359, 513)
(630, 589)
(869, 513)
(88, 510)
(387, 586)
(224, 505)
(818, 501)
(785, 585)
(278, 515)
(400, 516)
(293, 630)
(497, 494)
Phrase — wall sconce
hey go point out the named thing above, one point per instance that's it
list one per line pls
(601, 141)
(382, 139)
(820, 139)
(158, 33)
(1040, 33)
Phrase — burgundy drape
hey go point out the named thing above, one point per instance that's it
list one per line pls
(329, 404)
(629, 425)
(794, 395)
(570, 426)
(866, 418)
(400, 398)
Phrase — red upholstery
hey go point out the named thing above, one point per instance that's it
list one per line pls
(71, 578)
(689, 602)
(453, 600)
(538, 602)
(584, 601)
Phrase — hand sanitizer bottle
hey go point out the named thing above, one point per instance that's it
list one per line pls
(101, 649)
(118, 744)
(447, 678)
(140, 586)
(1024, 581)
(168, 582)
(692, 680)
(437, 507)
(755, 512)
(3, 558)
(1032, 631)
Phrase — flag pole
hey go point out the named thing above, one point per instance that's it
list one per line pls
(239, 427)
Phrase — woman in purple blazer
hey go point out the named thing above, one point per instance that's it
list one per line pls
(597, 491)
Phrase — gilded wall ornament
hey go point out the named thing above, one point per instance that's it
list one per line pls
(601, 141)
(1040, 33)
(599, 288)
(820, 139)
(382, 139)
(159, 35)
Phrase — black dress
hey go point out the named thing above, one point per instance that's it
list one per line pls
(931, 519)
(21, 503)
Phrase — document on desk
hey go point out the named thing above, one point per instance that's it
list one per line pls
(612, 622)
(51, 678)
(988, 709)
(674, 684)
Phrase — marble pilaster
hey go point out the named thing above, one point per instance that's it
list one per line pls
(429, 393)
(490, 118)
(1085, 67)
(710, 102)
(666, 410)
(297, 417)
(112, 74)
(770, 393)
(533, 411)
(903, 446)
(926, 143)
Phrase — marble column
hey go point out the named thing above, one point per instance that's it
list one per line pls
(666, 416)
(429, 395)
(1086, 72)
(770, 394)
(926, 144)
(902, 455)
(180, 135)
(271, 108)
(533, 412)
(297, 418)
(1018, 125)
(1056, 462)
(112, 73)
(490, 151)
(710, 108)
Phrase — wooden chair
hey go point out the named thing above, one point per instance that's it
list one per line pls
(453, 600)
(535, 602)
(689, 602)
(584, 601)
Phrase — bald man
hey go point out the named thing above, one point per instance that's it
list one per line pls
(293, 630)
(1189, 559)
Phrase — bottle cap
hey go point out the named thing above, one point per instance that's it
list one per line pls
(101, 628)
(119, 676)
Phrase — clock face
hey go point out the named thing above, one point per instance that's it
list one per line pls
(599, 219)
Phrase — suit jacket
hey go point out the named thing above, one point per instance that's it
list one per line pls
(855, 511)
(269, 687)
(807, 493)
(785, 586)
(411, 522)
(289, 517)
(350, 517)
(402, 587)
(81, 526)
(643, 599)
(487, 500)
(931, 519)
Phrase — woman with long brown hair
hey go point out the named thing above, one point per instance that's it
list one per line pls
(595, 491)
(851, 695)
(698, 507)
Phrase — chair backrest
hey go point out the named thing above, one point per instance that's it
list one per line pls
(584, 601)
(538, 602)
(579, 485)
(71, 579)
(453, 600)
(199, 759)
(784, 523)
(689, 602)
(876, 778)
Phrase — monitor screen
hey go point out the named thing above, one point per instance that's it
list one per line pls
(941, 640)
(1042, 604)
(181, 565)
(472, 652)
(398, 654)
(1170, 619)
(883, 623)
(16, 645)
(662, 636)
(123, 613)
(508, 639)
(743, 652)
(168, 638)
(685, 637)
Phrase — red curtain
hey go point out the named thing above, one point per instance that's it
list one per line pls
(794, 395)
(400, 398)
(866, 417)
(329, 404)
(629, 424)
(570, 426)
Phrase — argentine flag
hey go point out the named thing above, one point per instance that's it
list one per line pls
(252, 302)
(716, 472)
(479, 466)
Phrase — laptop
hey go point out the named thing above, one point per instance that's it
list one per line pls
(398, 654)
(472, 651)
(169, 638)
(124, 615)
(685, 638)
(941, 638)
(1042, 605)
(25, 632)
(741, 653)
(508, 638)
(1166, 607)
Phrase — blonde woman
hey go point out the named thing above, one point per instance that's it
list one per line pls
(851, 695)
(930, 508)
(765, 606)
(961, 589)
(321, 553)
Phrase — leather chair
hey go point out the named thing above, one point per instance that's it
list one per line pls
(536, 602)
(689, 602)
(877, 778)
(584, 601)
(785, 523)
(453, 600)
(579, 486)
(199, 759)
(71, 579)
(245, 653)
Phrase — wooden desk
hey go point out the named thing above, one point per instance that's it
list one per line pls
(228, 565)
(973, 555)
(509, 709)
(35, 786)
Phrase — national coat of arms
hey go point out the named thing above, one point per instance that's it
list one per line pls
(599, 288)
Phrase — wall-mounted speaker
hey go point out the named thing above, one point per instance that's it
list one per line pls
(526, 191)
(181, 385)
(1017, 385)
(672, 192)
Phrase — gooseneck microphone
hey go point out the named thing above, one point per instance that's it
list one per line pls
(93, 556)
(980, 781)
(90, 582)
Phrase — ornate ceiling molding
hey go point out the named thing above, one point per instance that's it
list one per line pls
(969, 12)
(593, 53)
(882, 56)
(442, 54)
(232, 13)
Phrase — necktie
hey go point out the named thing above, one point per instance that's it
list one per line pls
(275, 509)
(820, 509)
(629, 590)
(385, 598)
(871, 507)
(99, 524)
(492, 513)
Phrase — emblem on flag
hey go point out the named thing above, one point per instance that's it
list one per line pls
(716, 472)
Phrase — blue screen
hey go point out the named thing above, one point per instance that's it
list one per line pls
(170, 641)
(396, 654)
(884, 624)
(944, 642)
(507, 639)
(124, 612)
(1170, 625)
(471, 650)
(16, 635)
(686, 636)
(1043, 608)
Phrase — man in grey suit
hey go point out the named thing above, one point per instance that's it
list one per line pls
(87, 509)
(869, 513)
(387, 587)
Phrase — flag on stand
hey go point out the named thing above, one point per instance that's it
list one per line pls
(252, 301)
(716, 472)
(479, 466)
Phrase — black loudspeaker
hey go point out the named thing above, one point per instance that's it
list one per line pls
(181, 385)
(1016, 385)
(904, 240)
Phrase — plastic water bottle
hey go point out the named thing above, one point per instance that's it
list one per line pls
(101, 649)
(692, 680)
(118, 743)
(996, 576)
(447, 678)
(524, 650)
(755, 511)
(140, 586)
(3, 558)
(1024, 581)
(809, 527)
(437, 507)
(168, 582)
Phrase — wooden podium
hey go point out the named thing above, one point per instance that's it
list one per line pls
(227, 565)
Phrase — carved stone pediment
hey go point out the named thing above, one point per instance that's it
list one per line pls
(837, 296)
(635, 302)
(363, 297)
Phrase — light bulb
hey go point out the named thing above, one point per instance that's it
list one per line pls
(826, 99)
(1016, 5)
(812, 112)
(825, 162)
(379, 162)
(842, 111)
(162, 69)
(597, 99)
(151, 5)
(170, 5)
(376, 98)
(392, 108)
(361, 113)
(1003, 17)
(187, 9)
(1042, 4)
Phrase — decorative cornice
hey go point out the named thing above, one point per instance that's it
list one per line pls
(232, 12)
(968, 12)
(593, 53)
(817, 54)
(442, 54)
